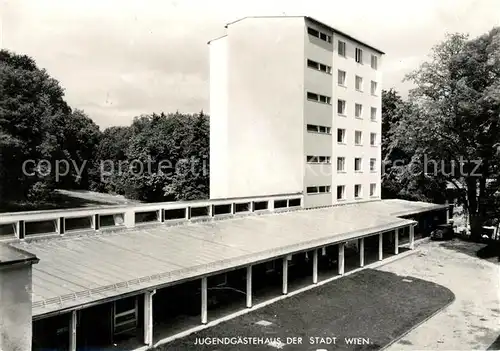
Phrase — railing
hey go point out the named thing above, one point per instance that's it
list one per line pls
(33, 224)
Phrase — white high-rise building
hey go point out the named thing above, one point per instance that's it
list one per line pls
(295, 107)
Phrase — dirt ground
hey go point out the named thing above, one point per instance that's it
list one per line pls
(472, 321)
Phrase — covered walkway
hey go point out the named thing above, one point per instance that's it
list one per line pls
(117, 273)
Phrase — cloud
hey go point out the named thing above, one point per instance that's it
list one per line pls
(121, 58)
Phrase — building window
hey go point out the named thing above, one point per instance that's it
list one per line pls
(373, 88)
(373, 189)
(373, 164)
(318, 159)
(318, 129)
(324, 130)
(359, 83)
(340, 164)
(358, 111)
(341, 77)
(357, 164)
(341, 48)
(318, 98)
(341, 107)
(323, 189)
(319, 66)
(341, 136)
(340, 192)
(373, 139)
(318, 34)
(373, 113)
(357, 191)
(374, 62)
(359, 55)
(358, 137)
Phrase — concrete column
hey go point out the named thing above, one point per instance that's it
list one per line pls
(129, 219)
(362, 252)
(380, 246)
(72, 331)
(315, 266)
(341, 258)
(204, 300)
(15, 298)
(249, 286)
(396, 241)
(270, 205)
(148, 317)
(412, 237)
(20, 229)
(60, 225)
(285, 275)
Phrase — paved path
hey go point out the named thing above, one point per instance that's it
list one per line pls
(472, 321)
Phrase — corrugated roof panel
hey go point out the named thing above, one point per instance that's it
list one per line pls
(76, 270)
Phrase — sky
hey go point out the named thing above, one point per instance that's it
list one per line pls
(118, 59)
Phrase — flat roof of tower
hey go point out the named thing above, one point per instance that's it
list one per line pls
(316, 22)
(79, 270)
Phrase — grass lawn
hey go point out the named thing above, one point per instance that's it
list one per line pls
(375, 305)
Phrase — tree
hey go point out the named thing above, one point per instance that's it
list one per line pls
(402, 174)
(37, 124)
(28, 98)
(160, 157)
(453, 128)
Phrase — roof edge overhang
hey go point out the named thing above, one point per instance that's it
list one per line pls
(315, 21)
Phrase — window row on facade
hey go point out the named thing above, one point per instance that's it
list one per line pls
(342, 106)
(358, 82)
(342, 48)
(358, 164)
(358, 137)
(341, 190)
(341, 134)
(341, 163)
(358, 110)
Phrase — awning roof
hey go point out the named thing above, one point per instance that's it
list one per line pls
(80, 269)
(397, 207)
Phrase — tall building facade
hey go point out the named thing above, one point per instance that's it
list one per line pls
(295, 107)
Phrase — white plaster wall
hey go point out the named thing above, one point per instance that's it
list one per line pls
(15, 308)
(218, 119)
(265, 106)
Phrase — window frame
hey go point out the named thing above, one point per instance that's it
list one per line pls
(342, 44)
(373, 161)
(342, 192)
(358, 55)
(373, 91)
(360, 133)
(360, 88)
(343, 132)
(344, 104)
(373, 117)
(343, 84)
(342, 169)
(360, 168)
(360, 115)
(374, 59)
(358, 187)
